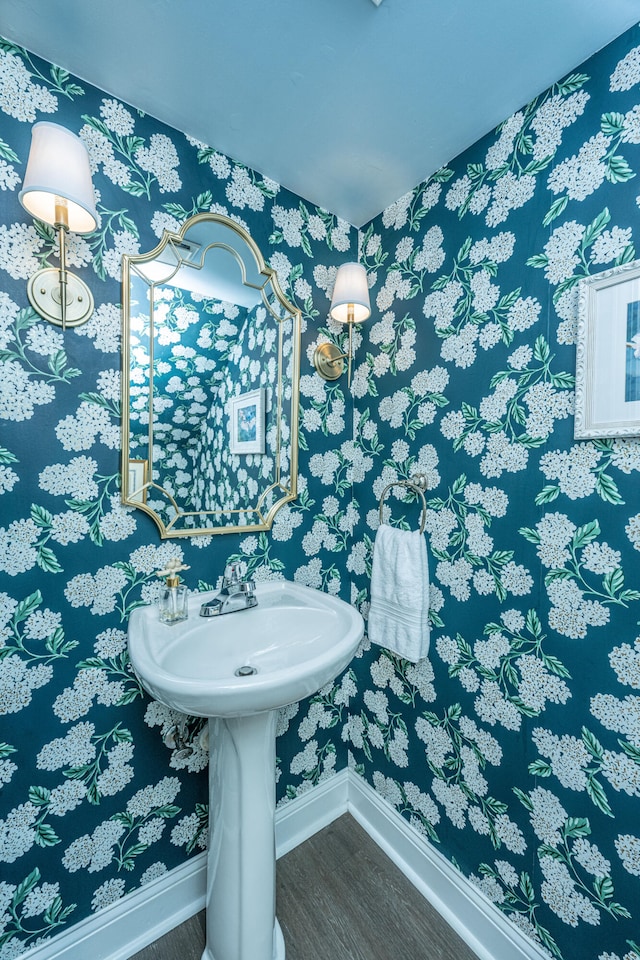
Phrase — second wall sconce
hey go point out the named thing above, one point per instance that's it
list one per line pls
(349, 304)
(58, 190)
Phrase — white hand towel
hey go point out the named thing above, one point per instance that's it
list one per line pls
(399, 613)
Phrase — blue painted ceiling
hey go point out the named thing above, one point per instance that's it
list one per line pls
(346, 103)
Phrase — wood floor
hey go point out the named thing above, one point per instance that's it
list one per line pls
(339, 898)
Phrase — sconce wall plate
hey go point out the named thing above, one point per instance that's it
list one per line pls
(44, 292)
(328, 359)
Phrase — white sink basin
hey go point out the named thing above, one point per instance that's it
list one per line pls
(297, 639)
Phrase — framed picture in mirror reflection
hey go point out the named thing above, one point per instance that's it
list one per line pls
(246, 422)
(138, 477)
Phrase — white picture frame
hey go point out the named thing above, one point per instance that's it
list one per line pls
(607, 366)
(247, 422)
(138, 477)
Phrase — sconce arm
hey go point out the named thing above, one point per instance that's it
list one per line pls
(328, 360)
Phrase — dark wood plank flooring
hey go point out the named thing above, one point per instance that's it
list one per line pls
(339, 897)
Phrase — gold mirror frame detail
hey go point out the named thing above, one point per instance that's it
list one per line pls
(280, 490)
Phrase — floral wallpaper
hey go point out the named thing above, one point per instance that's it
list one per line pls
(226, 480)
(102, 789)
(515, 747)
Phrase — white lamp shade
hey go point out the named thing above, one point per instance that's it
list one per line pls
(58, 167)
(350, 299)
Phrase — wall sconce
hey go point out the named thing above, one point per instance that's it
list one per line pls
(57, 189)
(349, 304)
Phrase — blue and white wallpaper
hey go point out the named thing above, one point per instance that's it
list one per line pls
(515, 747)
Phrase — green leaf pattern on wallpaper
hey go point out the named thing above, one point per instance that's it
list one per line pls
(515, 747)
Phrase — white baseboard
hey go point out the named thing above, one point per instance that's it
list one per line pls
(135, 921)
(139, 918)
(144, 915)
(465, 908)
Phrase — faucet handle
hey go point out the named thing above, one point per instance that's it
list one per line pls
(234, 573)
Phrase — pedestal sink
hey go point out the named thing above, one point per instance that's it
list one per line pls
(239, 669)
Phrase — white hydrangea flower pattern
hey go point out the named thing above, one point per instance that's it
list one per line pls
(515, 745)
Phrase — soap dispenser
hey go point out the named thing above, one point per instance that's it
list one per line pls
(173, 602)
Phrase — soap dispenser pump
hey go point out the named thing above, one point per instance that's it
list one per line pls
(173, 602)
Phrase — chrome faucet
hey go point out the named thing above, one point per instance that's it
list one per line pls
(236, 593)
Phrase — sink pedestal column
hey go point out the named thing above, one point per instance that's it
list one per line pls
(241, 865)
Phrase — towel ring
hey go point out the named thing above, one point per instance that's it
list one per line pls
(417, 483)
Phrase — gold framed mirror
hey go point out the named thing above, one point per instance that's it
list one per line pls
(210, 377)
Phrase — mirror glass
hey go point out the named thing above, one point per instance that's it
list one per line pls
(211, 360)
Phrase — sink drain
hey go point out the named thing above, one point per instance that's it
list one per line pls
(245, 671)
